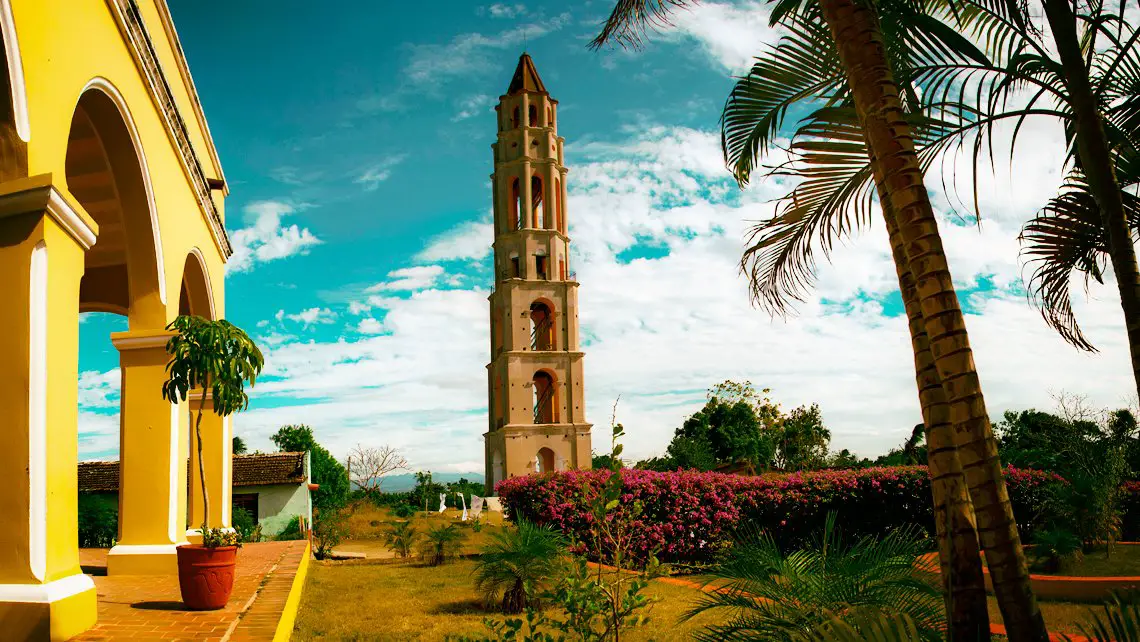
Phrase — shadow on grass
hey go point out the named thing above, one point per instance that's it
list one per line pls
(473, 606)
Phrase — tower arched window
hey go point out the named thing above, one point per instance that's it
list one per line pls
(545, 398)
(516, 205)
(532, 116)
(549, 117)
(515, 118)
(538, 206)
(544, 461)
(541, 326)
(559, 215)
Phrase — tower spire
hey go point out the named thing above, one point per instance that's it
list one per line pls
(526, 77)
(536, 409)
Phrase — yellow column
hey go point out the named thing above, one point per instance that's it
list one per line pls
(217, 453)
(152, 456)
(43, 237)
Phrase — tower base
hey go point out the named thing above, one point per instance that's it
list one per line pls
(56, 610)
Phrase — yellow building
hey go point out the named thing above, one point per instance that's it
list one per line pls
(536, 401)
(111, 199)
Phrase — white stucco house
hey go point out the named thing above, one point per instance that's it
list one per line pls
(273, 487)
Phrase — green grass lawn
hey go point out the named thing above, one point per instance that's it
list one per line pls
(1124, 561)
(407, 601)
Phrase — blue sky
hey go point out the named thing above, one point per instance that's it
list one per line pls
(356, 142)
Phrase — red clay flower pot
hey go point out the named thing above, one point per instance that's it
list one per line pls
(206, 576)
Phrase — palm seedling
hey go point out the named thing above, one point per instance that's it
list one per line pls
(1120, 621)
(518, 564)
(769, 595)
(441, 543)
(401, 537)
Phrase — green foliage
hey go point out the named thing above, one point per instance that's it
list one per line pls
(731, 430)
(215, 537)
(329, 529)
(517, 564)
(464, 486)
(772, 596)
(214, 356)
(1120, 621)
(403, 511)
(292, 530)
(425, 494)
(601, 461)
(912, 452)
(864, 626)
(1055, 550)
(239, 446)
(441, 543)
(329, 473)
(802, 440)
(247, 527)
(1090, 456)
(401, 537)
(98, 520)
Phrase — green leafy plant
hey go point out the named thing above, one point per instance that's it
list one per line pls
(292, 530)
(517, 564)
(441, 544)
(404, 511)
(773, 596)
(218, 357)
(401, 537)
(329, 529)
(1120, 621)
(1056, 550)
(247, 527)
(215, 537)
(98, 521)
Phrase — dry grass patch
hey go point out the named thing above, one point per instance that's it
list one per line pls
(407, 601)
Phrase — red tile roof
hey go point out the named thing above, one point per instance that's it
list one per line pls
(248, 470)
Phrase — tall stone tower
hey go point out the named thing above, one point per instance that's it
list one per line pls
(536, 406)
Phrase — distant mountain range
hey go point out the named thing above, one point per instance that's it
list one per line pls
(407, 481)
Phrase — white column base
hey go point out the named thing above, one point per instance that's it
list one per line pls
(46, 593)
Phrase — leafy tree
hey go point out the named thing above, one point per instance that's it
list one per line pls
(598, 461)
(769, 595)
(426, 492)
(802, 440)
(846, 459)
(239, 446)
(518, 564)
(327, 471)
(215, 356)
(465, 487)
(912, 452)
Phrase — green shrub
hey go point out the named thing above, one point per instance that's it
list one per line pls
(246, 526)
(328, 530)
(401, 536)
(404, 511)
(98, 521)
(1055, 550)
(292, 530)
(517, 564)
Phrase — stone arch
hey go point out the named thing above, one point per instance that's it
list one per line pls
(544, 460)
(542, 324)
(545, 387)
(196, 296)
(106, 170)
(532, 116)
(538, 205)
(516, 205)
(14, 78)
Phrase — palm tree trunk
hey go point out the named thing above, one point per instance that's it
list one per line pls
(960, 560)
(1096, 162)
(854, 28)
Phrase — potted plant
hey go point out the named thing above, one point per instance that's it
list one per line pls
(215, 357)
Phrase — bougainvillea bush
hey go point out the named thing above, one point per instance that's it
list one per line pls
(688, 516)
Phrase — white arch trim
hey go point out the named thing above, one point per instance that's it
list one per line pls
(105, 86)
(15, 71)
(209, 285)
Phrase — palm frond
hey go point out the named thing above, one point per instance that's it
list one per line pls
(1120, 621)
(631, 20)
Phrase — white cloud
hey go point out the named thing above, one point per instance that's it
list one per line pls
(99, 389)
(368, 325)
(377, 173)
(473, 106)
(410, 278)
(685, 318)
(729, 34)
(501, 10)
(266, 239)
(310, 316)
(470, 240)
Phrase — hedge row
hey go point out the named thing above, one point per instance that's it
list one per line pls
(687, 515)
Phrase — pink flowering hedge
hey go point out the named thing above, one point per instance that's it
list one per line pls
(687, 515)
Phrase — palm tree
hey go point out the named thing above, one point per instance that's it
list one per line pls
(441, 543)
(1119, 623)
(860, 61)
(401, 536)
(773, 596)
(518, 563)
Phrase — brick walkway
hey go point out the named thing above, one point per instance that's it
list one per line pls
(146, 607)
